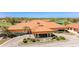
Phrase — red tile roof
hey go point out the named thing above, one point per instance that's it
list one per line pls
(37, 26)
(74, 25)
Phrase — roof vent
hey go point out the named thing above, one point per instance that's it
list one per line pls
(38, 22)
(40, 25)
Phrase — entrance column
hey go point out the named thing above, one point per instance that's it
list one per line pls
(50, 34)
(47, 34)
(37, 35)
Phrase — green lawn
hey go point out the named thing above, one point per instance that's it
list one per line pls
(5, 24)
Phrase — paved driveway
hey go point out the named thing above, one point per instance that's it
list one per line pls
(72, 41)
(14, 41)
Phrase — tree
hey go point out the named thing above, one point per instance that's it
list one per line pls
(10, 20)
(6, 32)
(66, 22)
(27, 29)
(29, 19)
(53, 19)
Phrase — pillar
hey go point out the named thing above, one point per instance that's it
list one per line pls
(47, 34)
(50, 34)
(35, 35)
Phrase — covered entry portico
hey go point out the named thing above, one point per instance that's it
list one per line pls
(44, 35)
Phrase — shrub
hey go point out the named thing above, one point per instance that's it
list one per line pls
(25, 40)
(28, 38)
(38, 40)
(58, 38)
(33, 40)
(61, 37)
(54, 37)
(12, 35)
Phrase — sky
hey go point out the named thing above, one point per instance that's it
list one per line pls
(40, 14)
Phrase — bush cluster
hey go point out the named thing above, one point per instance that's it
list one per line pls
(60, 38)
(26, 40)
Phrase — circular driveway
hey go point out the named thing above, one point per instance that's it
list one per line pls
(71, 41)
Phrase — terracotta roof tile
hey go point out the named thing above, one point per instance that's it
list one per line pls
(74, 25)
(37, 26)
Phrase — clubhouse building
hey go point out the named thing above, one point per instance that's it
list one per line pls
(39, 28)
(74, 27)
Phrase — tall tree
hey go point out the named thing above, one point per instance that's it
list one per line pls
(10, 20)
(27, 29)
(5, 31)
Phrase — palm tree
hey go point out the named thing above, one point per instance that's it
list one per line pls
(27, 29)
